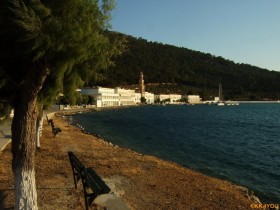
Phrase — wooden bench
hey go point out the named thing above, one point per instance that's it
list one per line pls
(49, 120)
(55, 130)
(93, 185)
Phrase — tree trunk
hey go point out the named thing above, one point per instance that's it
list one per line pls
(24, 141)
(39, 128)
(23, 148)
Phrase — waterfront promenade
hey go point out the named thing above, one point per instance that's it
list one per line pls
(5, 128)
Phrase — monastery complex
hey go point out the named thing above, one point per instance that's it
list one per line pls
(104, 97)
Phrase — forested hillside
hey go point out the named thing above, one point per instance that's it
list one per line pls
(173, 69)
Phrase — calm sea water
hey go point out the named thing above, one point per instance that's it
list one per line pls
(236, 143)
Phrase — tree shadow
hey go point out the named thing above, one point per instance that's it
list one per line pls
(3, 197)
(7, 196)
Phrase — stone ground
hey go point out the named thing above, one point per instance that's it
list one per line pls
(142, 182)
(5, 133)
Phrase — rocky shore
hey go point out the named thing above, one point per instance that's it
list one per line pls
(142, 182)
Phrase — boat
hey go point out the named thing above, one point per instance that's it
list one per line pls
(232, 103)
(220, 102)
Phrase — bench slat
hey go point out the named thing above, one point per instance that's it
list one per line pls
(97, 183)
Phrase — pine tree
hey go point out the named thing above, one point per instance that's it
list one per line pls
(46, 47)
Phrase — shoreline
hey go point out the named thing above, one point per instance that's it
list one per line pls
(142, 181)
(243, 189)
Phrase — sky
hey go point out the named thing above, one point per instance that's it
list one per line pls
(243, 31)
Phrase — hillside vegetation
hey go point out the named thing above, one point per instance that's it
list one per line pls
(170, 69)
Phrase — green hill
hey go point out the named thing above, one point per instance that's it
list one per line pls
(170, 69)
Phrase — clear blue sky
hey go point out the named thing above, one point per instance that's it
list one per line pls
(244, 31)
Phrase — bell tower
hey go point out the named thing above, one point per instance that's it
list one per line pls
(141, 84)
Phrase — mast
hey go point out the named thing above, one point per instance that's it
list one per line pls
(220, 92)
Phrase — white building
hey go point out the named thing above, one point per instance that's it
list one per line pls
(216, 99)
(126, 96)
(194, 99)
(102, 96)
(174, 98)
(150, 98)
(137, 98)
(111, 97)
(169, 98)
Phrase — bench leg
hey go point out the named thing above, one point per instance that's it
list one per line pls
(86, 198)
(76, 177)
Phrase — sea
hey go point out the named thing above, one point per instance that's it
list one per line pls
(240, 144)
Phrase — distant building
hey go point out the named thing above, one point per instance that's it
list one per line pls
(174, 98)
(162, 97)
(194, 99)
(137, 98)
(169, 98)
(102, 96)
(111, 97)
(216, 99)
(122, 97)
(150, 98)
(126, 96)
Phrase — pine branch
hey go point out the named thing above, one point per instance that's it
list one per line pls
(5, 76)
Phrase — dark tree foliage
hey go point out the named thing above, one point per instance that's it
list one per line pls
(47, 47)
(190, 70)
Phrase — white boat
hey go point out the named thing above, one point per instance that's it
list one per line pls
(232, 103)
(220, 102)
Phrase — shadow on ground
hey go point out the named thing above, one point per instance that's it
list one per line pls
(4, 197)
